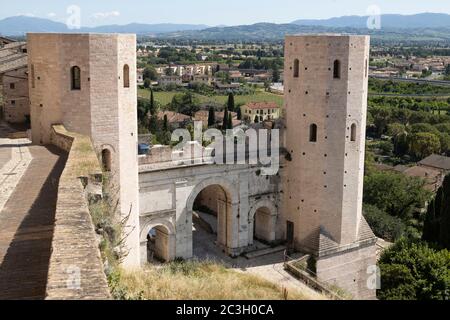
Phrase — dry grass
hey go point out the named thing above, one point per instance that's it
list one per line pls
(196, 281)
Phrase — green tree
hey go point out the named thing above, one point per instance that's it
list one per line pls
(275, 74)
(230, 103)
(423, 144)
(150, 73)
(225, 119)
(414, 271)
(230, 121)
(381, 117)
(382, 224)
(394, 193)
(165, 123)
(185, 103)
(152, 106)
(211, 117)
(436, 227)
(153, 126)
(239, 113)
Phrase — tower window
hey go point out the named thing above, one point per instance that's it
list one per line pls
(75, 74)
(296, 68)
(126, 76)
(313, 133)
(337, 69)
(106, 160)
(12, 86)
(353, 133)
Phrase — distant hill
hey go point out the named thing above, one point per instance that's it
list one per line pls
(422, 20)
(17, 26)
(276, 32)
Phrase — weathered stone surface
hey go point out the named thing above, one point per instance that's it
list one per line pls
(75, 268)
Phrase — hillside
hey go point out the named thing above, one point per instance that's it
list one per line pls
(422, 20)
(17, 26)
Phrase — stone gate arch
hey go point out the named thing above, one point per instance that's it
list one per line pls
(165, 233)
(264, 213)
(227, 211)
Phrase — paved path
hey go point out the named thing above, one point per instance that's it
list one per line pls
(27, 218)
(269, 267)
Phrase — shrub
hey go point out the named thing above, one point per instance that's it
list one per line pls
(383, 225)
(414, 271)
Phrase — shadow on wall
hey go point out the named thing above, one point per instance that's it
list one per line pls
(30, 213)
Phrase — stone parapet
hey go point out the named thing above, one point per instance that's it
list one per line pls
(76, 269)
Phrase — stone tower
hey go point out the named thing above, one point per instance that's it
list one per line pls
(87, 82)
(326, 80)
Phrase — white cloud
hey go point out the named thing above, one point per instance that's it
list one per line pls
(27, 14)
(51, 15)
(105, 15)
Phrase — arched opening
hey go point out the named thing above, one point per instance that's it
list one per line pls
(75, 76)
(106, 160)
(262, 225)
(211, 210)
(296, 68)
(126, 76)
(337, 69)
(353, 133)
(313, 133)
(158, 244)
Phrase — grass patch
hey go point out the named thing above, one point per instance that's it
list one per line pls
(193, 280)
(165, 97)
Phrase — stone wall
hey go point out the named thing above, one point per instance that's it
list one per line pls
(76, 269)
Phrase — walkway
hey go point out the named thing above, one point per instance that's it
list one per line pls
(30, 178)
(269, 267)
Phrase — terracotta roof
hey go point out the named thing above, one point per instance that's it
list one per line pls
(436, 161)
(432, 176)
(173, 117)
(262, 105)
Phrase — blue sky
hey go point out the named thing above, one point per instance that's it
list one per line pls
(211, 12)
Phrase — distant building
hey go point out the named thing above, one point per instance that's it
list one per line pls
(140, 76)
(205, 79)
(265, 111)
(224, 87)
(235, 76)
(167, 80)
(175, 119)
(437, 162)
(14, 82)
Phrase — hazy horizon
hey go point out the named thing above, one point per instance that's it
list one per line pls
(231, 12)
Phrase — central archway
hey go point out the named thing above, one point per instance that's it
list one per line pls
(212, 208)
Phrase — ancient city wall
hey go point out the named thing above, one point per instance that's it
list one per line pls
(76, 269)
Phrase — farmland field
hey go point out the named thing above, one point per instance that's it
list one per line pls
(166, 97)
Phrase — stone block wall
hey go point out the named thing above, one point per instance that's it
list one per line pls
(76, 268)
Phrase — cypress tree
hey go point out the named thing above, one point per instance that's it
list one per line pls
(230, 103)
(230, 121)
(152, 102)
(444, 235)
(225, 119)
(165, 123)
(239, 114)
(211, 117)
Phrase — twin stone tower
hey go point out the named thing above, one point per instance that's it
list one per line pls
(87, 82)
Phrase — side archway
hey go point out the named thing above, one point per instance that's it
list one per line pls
(157, 238)
(262, 221)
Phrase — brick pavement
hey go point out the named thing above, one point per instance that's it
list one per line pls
(26, 226)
